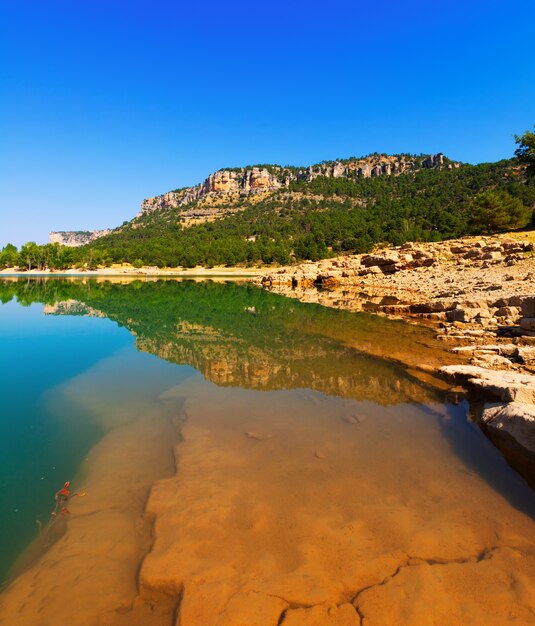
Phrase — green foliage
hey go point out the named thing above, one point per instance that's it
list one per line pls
(493, 211)
(317, 219)
(525, 153)
(8, 256)
(310, 220)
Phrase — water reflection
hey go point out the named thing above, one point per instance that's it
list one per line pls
(315, 481)
(240, 336)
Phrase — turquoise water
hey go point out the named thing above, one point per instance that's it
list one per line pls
(43, 441)
(74, 352)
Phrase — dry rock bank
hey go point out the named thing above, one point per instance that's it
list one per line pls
(479, 294)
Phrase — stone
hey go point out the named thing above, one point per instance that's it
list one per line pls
(528, 306)
(74, 239)
(492, 256)
(505, 385)
(526, 354)
(370, 260)
(514, 418)
(507, 311)
(527, 323)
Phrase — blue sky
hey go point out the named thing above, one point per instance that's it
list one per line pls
(104, 103)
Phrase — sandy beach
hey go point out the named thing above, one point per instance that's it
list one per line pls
(237, 273)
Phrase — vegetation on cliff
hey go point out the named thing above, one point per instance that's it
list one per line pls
(314, 219)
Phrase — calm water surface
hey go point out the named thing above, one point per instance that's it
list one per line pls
(85, 362)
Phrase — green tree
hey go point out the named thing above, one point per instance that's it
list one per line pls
(8, 256)
(525, 153)
(30, 255)
(493, 211)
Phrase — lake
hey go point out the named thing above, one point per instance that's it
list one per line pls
(243, 458)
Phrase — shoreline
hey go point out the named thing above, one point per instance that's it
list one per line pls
(476, 293)
(122, 271)
(252, 518)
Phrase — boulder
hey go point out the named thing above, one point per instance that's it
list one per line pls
(527, 323)
(370, 260)
(526, 354)
(506, 386)
(514, 418)
(528, 307)
(507, 311)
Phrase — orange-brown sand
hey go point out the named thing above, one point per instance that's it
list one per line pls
(290, 508)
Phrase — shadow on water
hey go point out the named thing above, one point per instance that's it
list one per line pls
(477, 452)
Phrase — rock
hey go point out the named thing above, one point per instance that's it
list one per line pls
(456, 315)
(527, 323)
(464, 314)
(507, 311)
(528, 307)
(492, 256)
(505, 385)
(321, 615)
(514, 418)
(339, 170)
(431, 307)
(485, 359)
(370, 260)
(526, 354)
(76, 238)
(258, 436)
(507, 349)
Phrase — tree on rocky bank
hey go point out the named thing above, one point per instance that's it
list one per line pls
(493, 211)
(525, 153)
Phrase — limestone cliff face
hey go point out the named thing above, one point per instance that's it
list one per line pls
(263, 179)
(75, 238)
(224, 182)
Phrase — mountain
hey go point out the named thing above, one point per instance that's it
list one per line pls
(75, 238)
(265, 178)
(273, 213)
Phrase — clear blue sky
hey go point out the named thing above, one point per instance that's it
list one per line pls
(106, 102)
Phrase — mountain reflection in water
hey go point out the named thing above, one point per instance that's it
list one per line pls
(309, 474)
(239, 335)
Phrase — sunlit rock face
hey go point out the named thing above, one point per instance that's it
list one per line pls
(76, 238)
(264, 179)
(223, 182)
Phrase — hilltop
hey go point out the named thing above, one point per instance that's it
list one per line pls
(279, 214)
(220, 193)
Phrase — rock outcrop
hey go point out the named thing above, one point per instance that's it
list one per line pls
(485, 282)
(270, 178)
(248, 180)
(479, 295)
(75, 238)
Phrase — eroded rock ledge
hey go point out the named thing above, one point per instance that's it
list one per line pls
(479, 294)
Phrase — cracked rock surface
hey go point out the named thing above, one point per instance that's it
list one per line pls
(385, 527)
(344, 513)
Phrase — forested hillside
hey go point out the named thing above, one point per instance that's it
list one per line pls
(312, 220)
(326, 210)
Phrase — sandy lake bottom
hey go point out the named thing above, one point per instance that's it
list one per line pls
(245, 466)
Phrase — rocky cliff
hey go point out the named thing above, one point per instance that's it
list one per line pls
(257, 179)
(75, 238)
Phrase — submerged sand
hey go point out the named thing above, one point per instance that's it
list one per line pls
(286, 507)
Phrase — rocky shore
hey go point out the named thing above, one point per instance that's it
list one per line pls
(479, 295)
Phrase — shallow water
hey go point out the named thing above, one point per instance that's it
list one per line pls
(296, 468)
